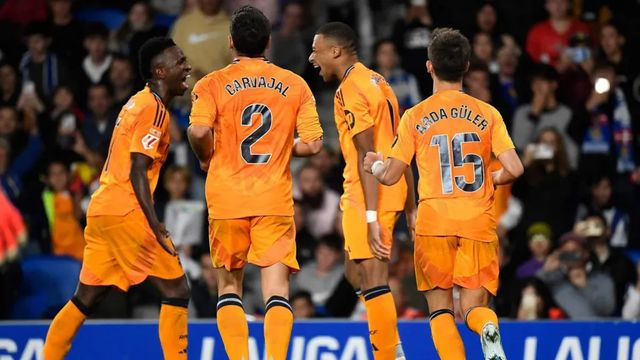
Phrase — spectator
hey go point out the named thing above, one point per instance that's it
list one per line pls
(122, 78)
(631, 308)
(487, 21)
(600, 201)
(582, 294)
(539, 235)
(204, 290)
(476, 81)
(270, 8)
(320, 204)
(40, 68)
(505, 86)
(23, 12)
(412, 36)
(403, 83)
(606, 259)
(63, 212)
(12, 172)
(13, 236)
(548, 179)
(543, 111)
(482, 50)
(548, 39)
(100, 118)
(66, 32)
(302, 305)
(305, 243)
(96, 64)
(288, 48)
(607, 144)
(534, 302)
(322, 276)
(202, 35)
(65, 118)
(135, 31)
(9, 128)
(9, 85)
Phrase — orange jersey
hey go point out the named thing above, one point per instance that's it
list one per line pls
(254, 109)
(365, 100)
(142, 127)
(453, 136)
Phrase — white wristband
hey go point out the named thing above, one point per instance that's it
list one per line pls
(372, 216)
(376, 166)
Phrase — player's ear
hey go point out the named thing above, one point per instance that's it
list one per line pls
(230, 42)
(336, 51)
(429, 66)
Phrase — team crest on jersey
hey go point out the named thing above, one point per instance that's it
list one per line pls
(149, 141)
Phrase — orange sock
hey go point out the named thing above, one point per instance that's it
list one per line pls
(173, 328)
(477, 317)
(233, 327)
(361, 298)
(278, 322)
(383, 322)
(445, 335)
(63, 329)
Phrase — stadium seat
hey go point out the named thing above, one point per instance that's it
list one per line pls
(48, 282)
(111, 18)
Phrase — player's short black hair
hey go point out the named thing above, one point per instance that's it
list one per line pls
(250, 31)
(341, 33)
(148, 52)
(449, 52)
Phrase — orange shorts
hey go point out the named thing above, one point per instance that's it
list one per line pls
(122, 251)
(260, 240)
(442, 261)
(354, 226)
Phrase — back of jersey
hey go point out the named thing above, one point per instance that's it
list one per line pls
(254, 108)
(453, 136)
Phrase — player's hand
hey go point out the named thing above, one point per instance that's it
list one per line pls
(411, 223)
(164, 239)
(378, 248)
(369, 159)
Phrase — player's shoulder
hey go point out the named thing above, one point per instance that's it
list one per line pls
(142, 100)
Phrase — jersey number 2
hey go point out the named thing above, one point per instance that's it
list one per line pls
(442, 142)
(264, 113)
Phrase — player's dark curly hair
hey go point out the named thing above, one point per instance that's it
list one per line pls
(250, 31)
(449, 52)
(148, 52)
(341, 33)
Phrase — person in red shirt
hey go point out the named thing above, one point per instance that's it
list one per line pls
(547, 40)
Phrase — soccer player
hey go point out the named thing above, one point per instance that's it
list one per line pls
(126, 243)
(367, 116)
(242, 129)
(453, 137)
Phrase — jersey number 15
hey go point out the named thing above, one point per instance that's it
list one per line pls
(446, 149)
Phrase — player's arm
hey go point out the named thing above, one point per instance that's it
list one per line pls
(503, 149)
(140, 164)
(201, 120)
(410, 209)
(387, 172)
(308, 126)
(511, 168)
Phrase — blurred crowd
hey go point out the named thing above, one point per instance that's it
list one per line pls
(564, 74)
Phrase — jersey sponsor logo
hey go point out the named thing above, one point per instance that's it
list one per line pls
(350, 119)
(149, 141)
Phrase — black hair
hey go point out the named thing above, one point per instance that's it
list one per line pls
(148, 53)
(478, 65)
(302, 294)
(378, 44)
(341, 33)
(96, 29)
(333, 241)
(545, 72)
(449, 52)
(105, 85)
(250, 31)
(37, 28)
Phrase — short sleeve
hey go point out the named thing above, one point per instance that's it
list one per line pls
(150, 125)
(203, 106)
(356, 110)
(404, 145)
(500, 139)
(308, 122)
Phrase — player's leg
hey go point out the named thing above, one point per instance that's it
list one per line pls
(444, 331)
(229, 243)
(65, 325)
(434, 258)
(352, 273)
(477, 273)
(278, 319)
(273, 248)
(172, 325)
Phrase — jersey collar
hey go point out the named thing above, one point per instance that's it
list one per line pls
(237, 60)
(348, 71)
